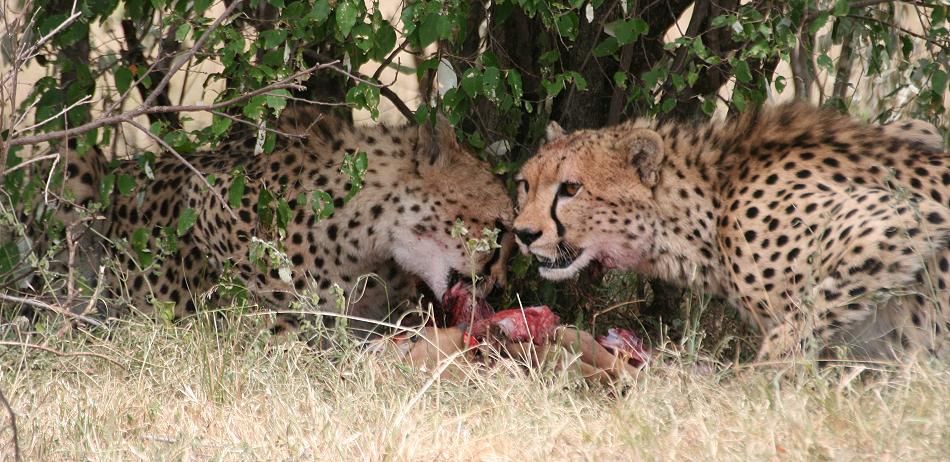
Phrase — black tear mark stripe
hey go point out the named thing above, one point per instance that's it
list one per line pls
(560, 227)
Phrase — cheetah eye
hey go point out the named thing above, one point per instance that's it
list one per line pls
(568, 189)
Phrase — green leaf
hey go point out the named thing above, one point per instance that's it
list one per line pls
(236, 191)
(140, 246)
(549, 57)
(187, 219)
(741, 69)
(620, 79)
(385, 39)
(106, 185)
(739, 100)
(819, 22)
(429, 29)
(277, 100)
(254, 107)
(471, 81)
(126, 184)
(824, 61)
(841, 7)
(579, 81)
(422, 114)
(123, 79)
(345, 17)
(322, 204)
(654, 76)
(566, 24)
(515, 83)
(320, 11)
(491, 77)
(182, 32)
(780, 83)
(668, 104)
(273, 37)
(938, 82)
(9, 257)
(609, 46)
(264, 213)
(628, 31)
(200, 6)
(283, 213)
(220, 125)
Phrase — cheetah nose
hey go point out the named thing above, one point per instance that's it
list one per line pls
(527, 236)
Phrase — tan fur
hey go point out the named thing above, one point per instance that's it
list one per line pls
(800, 217)
(418, 182)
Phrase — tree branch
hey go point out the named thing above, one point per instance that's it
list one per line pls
(47, 306)
(184, 161)
(843, 74)
(135, 55)
(398, 102)
(191, 53)
(126, 116)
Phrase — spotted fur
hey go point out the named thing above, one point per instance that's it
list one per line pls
(814, 226)
(417, 184)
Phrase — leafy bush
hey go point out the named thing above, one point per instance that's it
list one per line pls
(499, 71)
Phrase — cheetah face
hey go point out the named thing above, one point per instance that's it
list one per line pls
(585, 198)
(453, 186)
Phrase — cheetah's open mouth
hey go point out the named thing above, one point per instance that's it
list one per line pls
(570, 260)
(566, 256)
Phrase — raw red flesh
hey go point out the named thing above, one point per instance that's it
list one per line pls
(457, 302)
(625, 343)
(534, 323)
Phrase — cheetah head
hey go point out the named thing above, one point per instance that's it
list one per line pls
(586, 197)
(451, 185)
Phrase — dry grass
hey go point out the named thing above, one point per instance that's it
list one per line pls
(200, 391)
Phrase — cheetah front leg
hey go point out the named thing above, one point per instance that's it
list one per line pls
(832, 307)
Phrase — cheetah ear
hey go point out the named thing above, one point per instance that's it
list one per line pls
(553, 132)
(437, 144)
(645, 152)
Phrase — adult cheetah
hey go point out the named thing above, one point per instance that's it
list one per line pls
(417, 183)
(813, 225)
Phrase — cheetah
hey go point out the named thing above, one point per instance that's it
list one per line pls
(826, 234)
(417, 183)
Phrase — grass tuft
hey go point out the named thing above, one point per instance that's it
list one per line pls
(221, 390)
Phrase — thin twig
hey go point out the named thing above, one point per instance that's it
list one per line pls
(398, 103)
(64, 354)
(26, 55)
(47, 306)
(187, 164)
(29, 161)
(16, 437)
(389, 59)
(252, 124)
(126, 116)
(191, 53)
